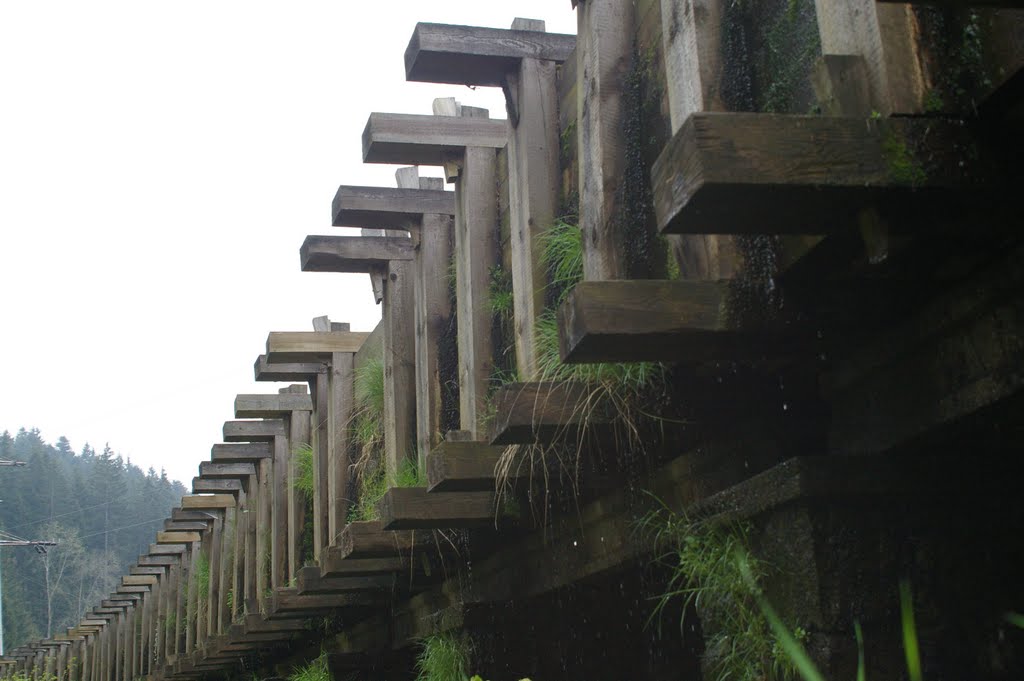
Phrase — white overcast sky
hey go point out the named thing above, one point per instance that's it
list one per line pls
(160, 165)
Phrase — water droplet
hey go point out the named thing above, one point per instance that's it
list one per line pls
(785, 407)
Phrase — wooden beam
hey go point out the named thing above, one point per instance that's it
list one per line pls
(185, 526)
(470, 55)
(302, 346)
(353, 254)
(166, 549)
(139, 580)
(290, 600)
(408, 139)
(216, 486)
(264, 430)
(264, 370)
(413, 508)
(333, 460)
(740, 173)
(155, 570)
(240, 452)
(387, 208)
(332, 565)
(650, 320)
(177, 538)
(467, 467)
(226, 471)
(256, 624)
(368, 539)
(544, 412)
(207, 501)
(271, 406)
(164, 561)
(310, 582)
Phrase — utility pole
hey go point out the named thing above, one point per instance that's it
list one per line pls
(39, 546)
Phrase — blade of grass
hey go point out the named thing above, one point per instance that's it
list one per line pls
(910, 645)
(861, 672)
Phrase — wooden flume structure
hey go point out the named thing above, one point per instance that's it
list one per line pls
(843, 195)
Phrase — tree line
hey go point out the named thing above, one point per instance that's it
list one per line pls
(102, 511)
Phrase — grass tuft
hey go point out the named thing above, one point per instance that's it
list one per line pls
(302, 458)
(443, 657)
(315, 670)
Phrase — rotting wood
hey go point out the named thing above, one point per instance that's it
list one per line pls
(302, 346)
(650, 320)
(387, 208)
(738, 173)
(264, 370)
(270, 406)
(264, 430)
(542, 412)
(413, 508)
(470, 55)
(467, 467)
(352, 254)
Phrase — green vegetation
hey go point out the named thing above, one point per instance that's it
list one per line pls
(368, 394)
(701, 556)
(903, 167)
(315, 670)
(302, 458)
(374, 484)
(499, 293)
(443, 657)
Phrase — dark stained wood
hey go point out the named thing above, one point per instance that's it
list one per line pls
(290, 601)
(680, 321)
(216, 486)
(470, 55)
(264, 370)
(332, 565)
(305, 346)
(253, 431)
(466, 467)
(368, 539)
(310, 582)
(256, 624)
(741, 173)
(388, 208)
(413, 508)
(543, 412)
(270, 406)
(240, 452)
(352, 254)
(409, 139)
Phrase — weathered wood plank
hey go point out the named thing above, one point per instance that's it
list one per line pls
(139, 580)
(155, 570)
(207, 501)
(175, 538)
(164, 561)
(166, 549)
(544, 412)
(290, 600)
(470, 55)
(255, 624)
(303, 346)
(226, 471)
(240, 452)
(736, 173)
(271, 406)
(387, 208)
(466, 467)
(185, 525)
(410, 139)
(368, 539)
(338, 407)
(264, 430)
(216, 486)
(413, 508)
(310, 582)
(399, 366)
(332, 565)
(352, 254)
(264, 370)
(650, 320)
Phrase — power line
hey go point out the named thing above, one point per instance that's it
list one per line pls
(125, 527)
(80, 510)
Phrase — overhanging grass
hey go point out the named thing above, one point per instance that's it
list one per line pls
(315, 670)
(302, 458)
(443, 657)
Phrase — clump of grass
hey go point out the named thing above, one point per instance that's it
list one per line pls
(302, 459)
(315, 670)
(374, 484)
(443, 657)
(701, 556)
(499, 293)
(368, 395)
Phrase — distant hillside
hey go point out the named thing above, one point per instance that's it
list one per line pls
(102, 510)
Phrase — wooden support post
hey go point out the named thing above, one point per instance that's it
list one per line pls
(338, 408)
(299, 435)
(522, 61)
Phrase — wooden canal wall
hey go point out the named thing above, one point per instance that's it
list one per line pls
(732, 279)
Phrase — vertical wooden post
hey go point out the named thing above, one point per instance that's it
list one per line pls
(533, 189)
(338, 402)
(399, 365)
(432, 311)
(262, 527)
(213, 539)
(322, 455)
(299, 433)
(604, 50)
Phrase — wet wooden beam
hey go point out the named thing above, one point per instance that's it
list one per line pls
(388, 208)
(368, 539)
(409, 139)
(257, 624)
(283, 372)
(332, 565)
(241, 452)
(310, 582)
(286, 601)
(264, 430)
(471, 55)
(271, 406)
(413, 508)
(744, 173)
(466, 466)
(650, 320)
(353, 254)
(543, 412)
